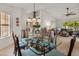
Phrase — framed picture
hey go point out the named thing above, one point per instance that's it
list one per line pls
(17, 21)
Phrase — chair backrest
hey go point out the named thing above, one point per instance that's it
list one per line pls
(14, 39)
(72, 43)
(18, 47)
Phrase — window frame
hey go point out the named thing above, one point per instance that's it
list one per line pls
(9, 23)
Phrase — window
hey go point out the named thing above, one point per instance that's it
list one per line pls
(4, 24)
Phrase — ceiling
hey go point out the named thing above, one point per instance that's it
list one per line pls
(49, 10)
(42, 5)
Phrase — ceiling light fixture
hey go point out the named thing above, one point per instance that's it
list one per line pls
(34, 20)
(69, 13)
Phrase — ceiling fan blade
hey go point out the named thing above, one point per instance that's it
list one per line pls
(70, 14)
(73, 13)
(67, 14)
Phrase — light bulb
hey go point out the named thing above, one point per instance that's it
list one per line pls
(29, 20)
(34, 19)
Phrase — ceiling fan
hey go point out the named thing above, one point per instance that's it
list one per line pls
(69, 13)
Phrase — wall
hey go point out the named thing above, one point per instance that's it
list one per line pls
(14, 12)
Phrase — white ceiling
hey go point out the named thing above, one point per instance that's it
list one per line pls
(42, 5)
(49, 10)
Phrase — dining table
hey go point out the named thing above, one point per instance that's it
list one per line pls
(43, 47)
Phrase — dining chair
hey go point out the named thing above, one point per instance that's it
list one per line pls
(72, 43)
(28, 52)
(22, 46)
(15, 48)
